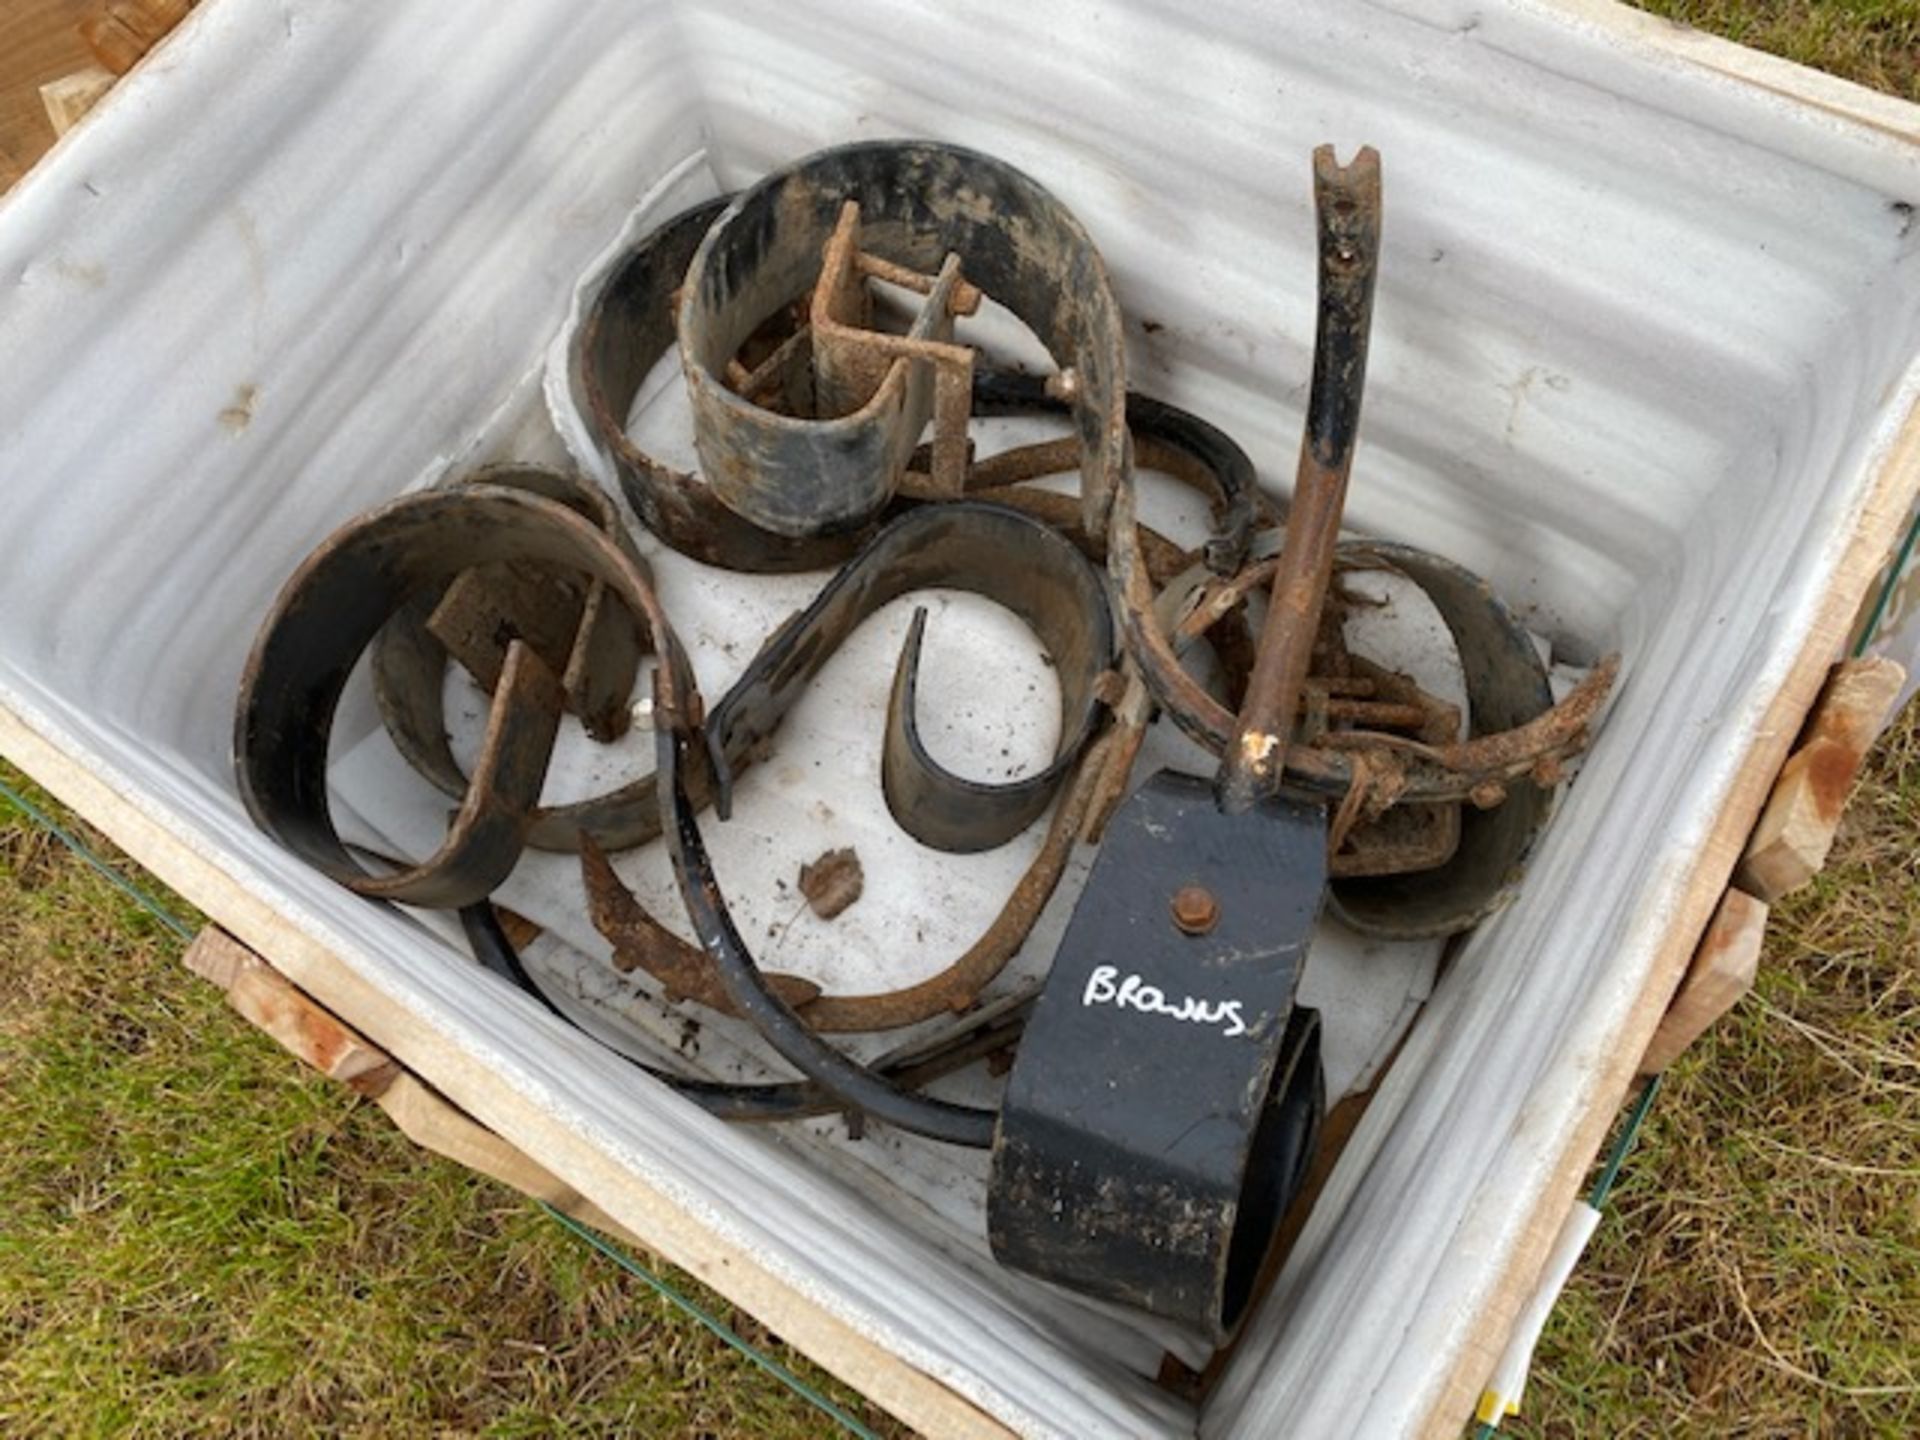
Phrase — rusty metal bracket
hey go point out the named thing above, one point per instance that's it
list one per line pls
(629, 328)
(923, 210)
(1445, 773)
(1368, 767)
(1507, 695)
(854, 363)
(329, 612)
(1347, 199)
(578, 631)
(1505, 775)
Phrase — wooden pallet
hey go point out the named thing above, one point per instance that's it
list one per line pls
(58, 58)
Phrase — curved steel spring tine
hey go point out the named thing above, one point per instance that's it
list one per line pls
(330, 610)
(857, 1086)
(990, 550)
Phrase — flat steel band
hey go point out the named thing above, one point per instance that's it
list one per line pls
(409, 664)
(629, 329)
(990, 550)
(329, 612)
(919, 203)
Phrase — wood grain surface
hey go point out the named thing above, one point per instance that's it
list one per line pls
(39, 41)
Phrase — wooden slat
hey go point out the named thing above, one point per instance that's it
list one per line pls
(305, 1029)
(39, 42)
(1723, 970)
(1790, 844)
(71, 96)
(267, 1001)
(59, 57)
(119, 32)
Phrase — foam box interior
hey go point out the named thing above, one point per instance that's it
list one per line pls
(1644, 343)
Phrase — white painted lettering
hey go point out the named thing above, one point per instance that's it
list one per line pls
(1106, 986)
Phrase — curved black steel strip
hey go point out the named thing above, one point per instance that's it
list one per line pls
(330, 611)
(408, 668)
(488, 831)
(855, 1085)
(1008, 557)
(919, 203)
(774, 1100)
(629, 328)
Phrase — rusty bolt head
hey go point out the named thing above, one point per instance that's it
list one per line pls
(1487, 794)
(1195, 911)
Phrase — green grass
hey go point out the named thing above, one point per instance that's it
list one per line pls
(198, 1237)
(1759, 1273)
(1874, 42)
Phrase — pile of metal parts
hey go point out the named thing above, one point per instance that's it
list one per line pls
(1166, 1093)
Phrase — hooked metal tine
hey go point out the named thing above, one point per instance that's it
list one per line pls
(485, 840)
(902, 713)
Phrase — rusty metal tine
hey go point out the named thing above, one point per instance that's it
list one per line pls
(489, 830)
(1347, 199)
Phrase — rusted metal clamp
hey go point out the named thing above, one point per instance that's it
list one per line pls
(1163, 1109)
(329, 612)
(1520, 739)
(581, 635)
(923, 210)
(1450, 773)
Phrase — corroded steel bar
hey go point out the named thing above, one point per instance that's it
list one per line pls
(1347, 199)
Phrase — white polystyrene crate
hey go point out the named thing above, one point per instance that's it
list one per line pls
(1643, 356)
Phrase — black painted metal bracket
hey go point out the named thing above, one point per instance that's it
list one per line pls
(1167, 1094)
